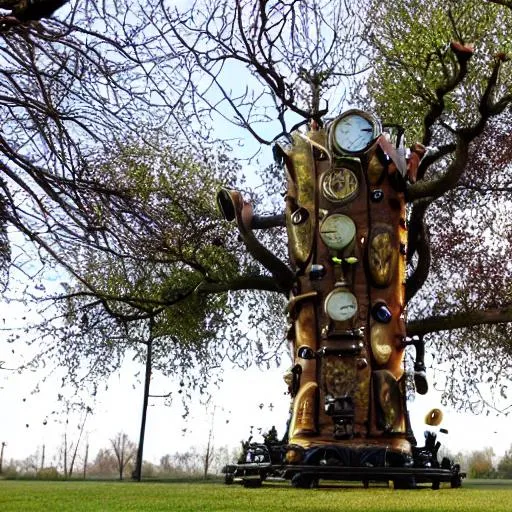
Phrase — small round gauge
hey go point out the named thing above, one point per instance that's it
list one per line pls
(337, 231)
(340, 185)
(340, 305)
(354, 131)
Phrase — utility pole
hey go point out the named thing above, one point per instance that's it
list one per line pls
(2, 456)
(42, 456)
(86, 459)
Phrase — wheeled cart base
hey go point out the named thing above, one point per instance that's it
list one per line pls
(308, 476)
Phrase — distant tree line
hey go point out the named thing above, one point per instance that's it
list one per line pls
(117, 461)
(484, 464)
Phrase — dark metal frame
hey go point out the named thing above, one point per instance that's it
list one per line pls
(264, 466)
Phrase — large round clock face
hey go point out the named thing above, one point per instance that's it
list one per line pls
(337, 231)
(340, 305)
(340, 185)
(354, 132)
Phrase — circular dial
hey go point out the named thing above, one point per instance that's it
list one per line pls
(340, 305)
(340, 184)
(354, 132)
(337, 231)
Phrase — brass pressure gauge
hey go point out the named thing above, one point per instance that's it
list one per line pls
(340, 305)
(337, 231)
(354, 132)
(340, 185)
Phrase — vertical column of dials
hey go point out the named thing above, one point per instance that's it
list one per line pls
(345, 375)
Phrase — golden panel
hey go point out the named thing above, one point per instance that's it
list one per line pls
(302, 174)
(305, 334)
(389, 402)
(382, 257)
(402, 262)
(303, 170)
(339, 377)
(340, 185)
(382, 347)
(375, 170)
(303, 420)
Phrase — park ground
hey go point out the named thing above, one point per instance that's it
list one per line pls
(78, 496)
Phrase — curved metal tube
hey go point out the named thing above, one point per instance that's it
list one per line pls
(233, 207)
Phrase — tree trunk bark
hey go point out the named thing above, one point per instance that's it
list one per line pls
(137, 473)
(121, 455)
(73, 458)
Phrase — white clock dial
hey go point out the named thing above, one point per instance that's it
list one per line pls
(354, 132)
(340, 305)
(337, 231)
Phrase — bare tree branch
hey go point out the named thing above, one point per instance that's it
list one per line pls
(459, 320)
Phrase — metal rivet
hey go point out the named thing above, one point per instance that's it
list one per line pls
(377, 195)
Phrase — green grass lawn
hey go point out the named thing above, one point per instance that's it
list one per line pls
(78, 496)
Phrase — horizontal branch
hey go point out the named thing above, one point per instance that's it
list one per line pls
(449, 180)
(459, 320)
(434, 156)
(241, 283)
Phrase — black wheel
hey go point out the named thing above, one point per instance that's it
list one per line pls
(252, 483)
(446, 463)
(435, 485)
(301, 481)
(313, 484)
(404, 483)
(229, 478)
(456, 482)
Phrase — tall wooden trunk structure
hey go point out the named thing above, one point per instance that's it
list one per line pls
(346, 223)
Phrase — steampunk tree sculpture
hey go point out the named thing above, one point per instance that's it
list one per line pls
(347, 240)
(347, 231)
(349, 246)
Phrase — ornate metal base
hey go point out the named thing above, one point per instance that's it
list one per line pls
(334, 463)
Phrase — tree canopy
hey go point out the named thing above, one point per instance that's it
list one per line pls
(104, 107)
(443, 72)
